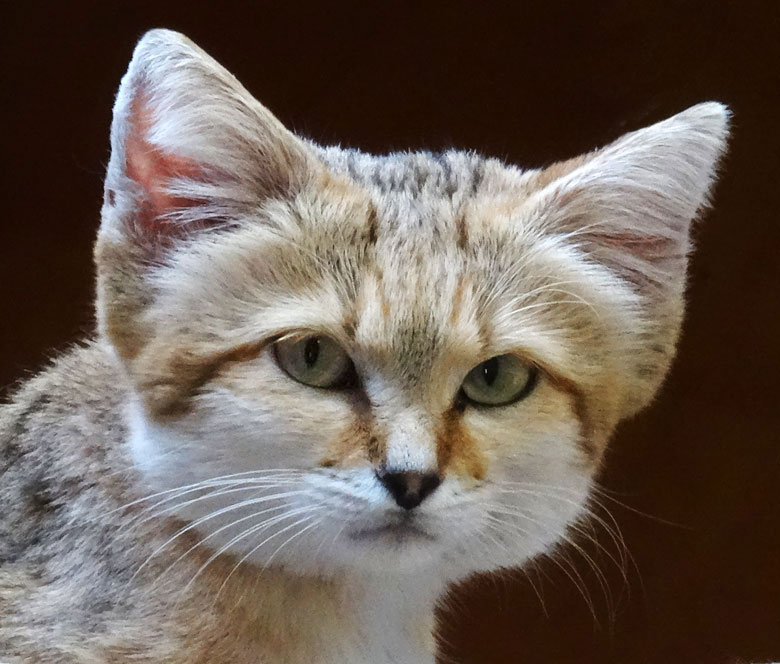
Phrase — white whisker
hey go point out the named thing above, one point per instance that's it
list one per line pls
(265, 541)
(247, 533)
(212, 515)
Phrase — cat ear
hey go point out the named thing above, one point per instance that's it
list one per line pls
(191, 151)
(190, 147)
(629, 207)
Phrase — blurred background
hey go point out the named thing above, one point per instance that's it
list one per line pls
(688, 569)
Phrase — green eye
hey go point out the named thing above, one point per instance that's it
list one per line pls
(499, 381)
(316, 361)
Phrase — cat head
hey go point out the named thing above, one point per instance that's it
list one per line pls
(347, 361)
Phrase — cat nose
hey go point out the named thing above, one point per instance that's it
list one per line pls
(409, 488)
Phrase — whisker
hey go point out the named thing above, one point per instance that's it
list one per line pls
(199, 543)
(289, 539)
(248, 532)
(573, 575)
(497, 525)
(603, 493)
(137, 521)
(213, 481)
(212, 515)
(550, 492)
(577, 527)
(256, 548)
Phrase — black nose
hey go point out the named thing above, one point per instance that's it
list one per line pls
(409, 489)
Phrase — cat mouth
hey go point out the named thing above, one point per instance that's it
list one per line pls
(405, 530)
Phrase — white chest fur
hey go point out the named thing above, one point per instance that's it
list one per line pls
(357, 621)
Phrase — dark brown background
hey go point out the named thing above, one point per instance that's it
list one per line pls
(531, 82)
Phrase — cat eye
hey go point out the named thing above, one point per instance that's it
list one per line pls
(499, 381)
(317, 361)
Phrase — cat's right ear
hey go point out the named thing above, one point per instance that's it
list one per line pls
(190, 147)
(192, 152)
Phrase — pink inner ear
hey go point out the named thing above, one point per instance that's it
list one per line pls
(153, 169)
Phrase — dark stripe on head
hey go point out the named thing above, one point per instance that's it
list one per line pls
(462, 229)
(580, 406)
(372, 225)
(476, 177)
(185, 374)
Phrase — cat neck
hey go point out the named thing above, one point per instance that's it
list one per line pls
(347, 619)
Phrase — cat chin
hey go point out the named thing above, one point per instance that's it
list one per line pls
(410, 559)
(400, 559)
(388, 552)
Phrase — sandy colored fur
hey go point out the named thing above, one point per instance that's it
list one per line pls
(172, 495)
(67, 477)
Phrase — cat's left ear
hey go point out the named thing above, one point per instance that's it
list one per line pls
(190, 147)
(629, 208)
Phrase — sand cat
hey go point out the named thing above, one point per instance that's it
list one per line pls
(325, 384)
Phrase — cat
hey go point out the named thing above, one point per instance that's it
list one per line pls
(325, 384)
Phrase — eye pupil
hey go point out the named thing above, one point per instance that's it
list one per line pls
(315, 360)
(490, 371)
(311, 351)
(499, 381)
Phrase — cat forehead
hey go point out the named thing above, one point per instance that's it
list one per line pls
(391, 256)
(416, 196)
(451, 173)
(418, 223)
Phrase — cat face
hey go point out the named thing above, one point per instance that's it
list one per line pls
(342, 361)
(400, 315)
